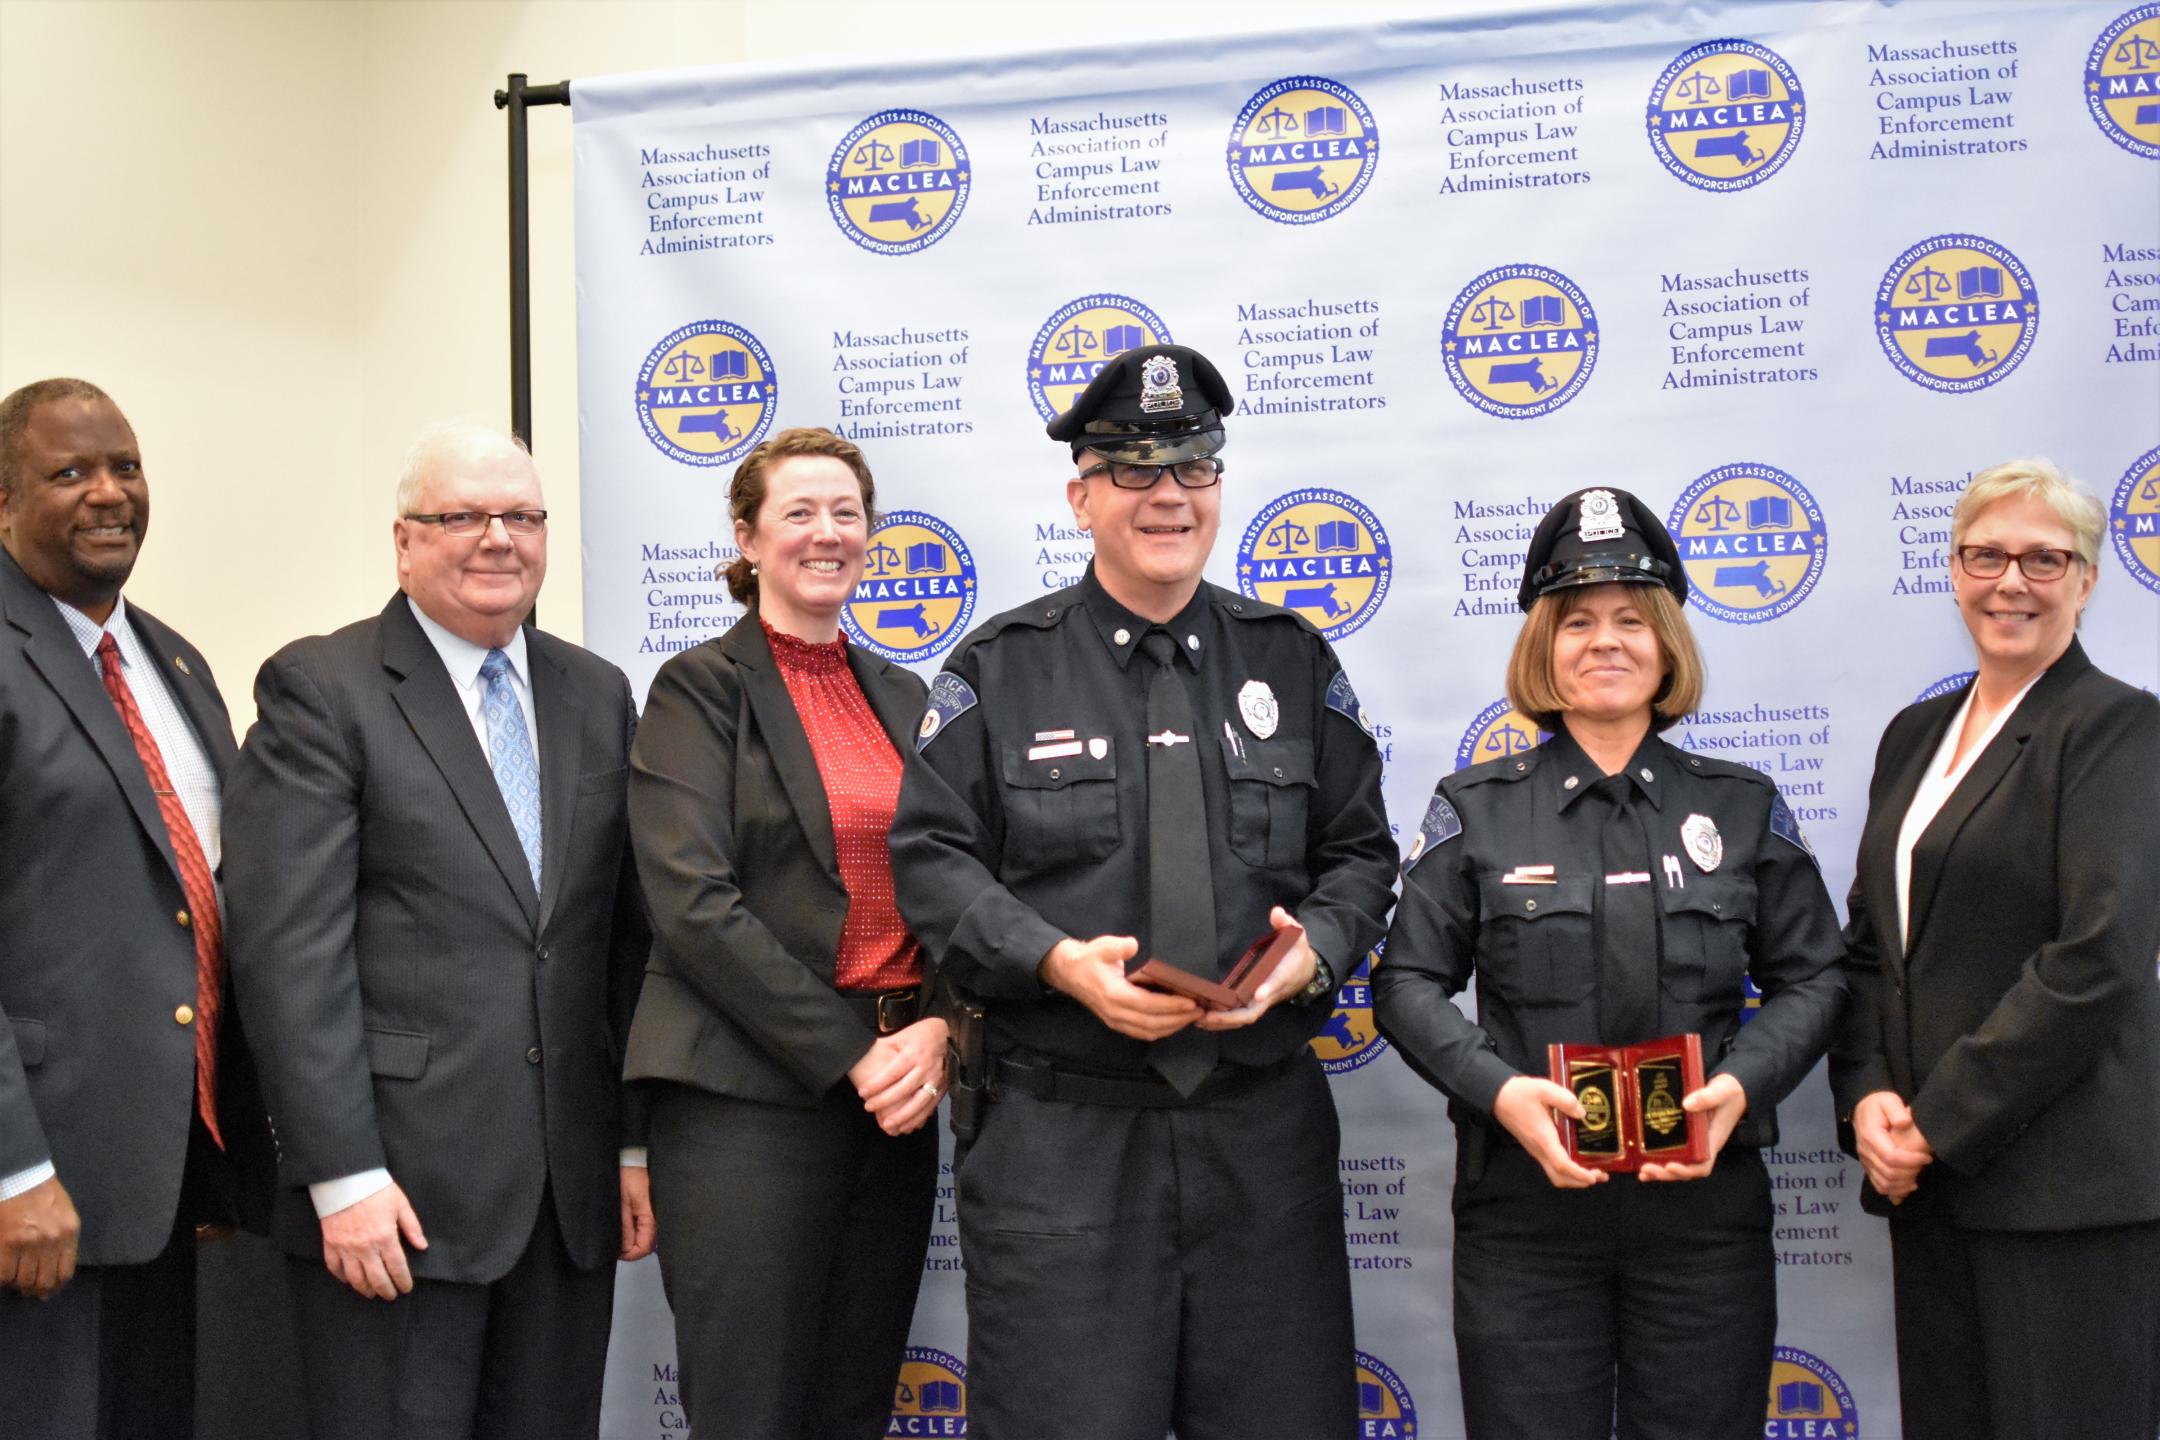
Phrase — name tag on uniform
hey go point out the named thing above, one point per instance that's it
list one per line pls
(1054, 752)
(1629, 877)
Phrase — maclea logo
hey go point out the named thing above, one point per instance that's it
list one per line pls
(897, 182)
(1947, 685)
(1084, 335)
(1956, 313)
(930, 1397)
(917, 590)
(1520, 341)
(1726, 115)
(1385, 1410)
(1350, 1040)
(1807, 1400)
(1303, 149)
(1500, 730)
(2122, 81)
(1321, 553)
(2134, 519)
(1752, 541)
(707, 393)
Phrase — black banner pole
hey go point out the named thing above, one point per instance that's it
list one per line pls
(514, 98)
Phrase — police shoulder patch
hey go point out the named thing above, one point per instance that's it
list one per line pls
(1344, 702)
(950, 698)
(1441, 825)
(1786, 826)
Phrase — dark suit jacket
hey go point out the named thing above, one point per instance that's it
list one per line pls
(415, 1004)
(735, 846)
(94, 1071)
(2023, 1022)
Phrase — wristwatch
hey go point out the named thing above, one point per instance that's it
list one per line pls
(1322, 983)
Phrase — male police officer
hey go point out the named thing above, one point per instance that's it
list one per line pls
(1146, 765)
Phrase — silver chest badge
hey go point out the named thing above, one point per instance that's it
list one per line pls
(1159, 385)
(1705, 846)
(1257, 704)
(1601, 517)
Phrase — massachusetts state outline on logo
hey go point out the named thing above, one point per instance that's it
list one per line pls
(897, 182)
(707, 393)
(1498, 731)
(2122, 81)
(1350, 1040)
(1520, 341)
(930, 1396)
(1076, 342)
(917, 592)
(1957, 680)
(1956, 313)
(1726, 115)
(1303, 149)
(1808, 1400)
(1321, 553)
(1752, 541)
(1385, 1410)
(2134, 519)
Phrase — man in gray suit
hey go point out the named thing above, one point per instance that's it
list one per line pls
(437, 941)
(128, 1113)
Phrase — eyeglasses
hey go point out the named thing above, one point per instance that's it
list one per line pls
(476, 522)
(1192, 474)
(1985, 562)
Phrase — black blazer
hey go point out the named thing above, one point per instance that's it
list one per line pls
(2023, 1022)
(415, 1004)
(94, 1072)
(735, 847)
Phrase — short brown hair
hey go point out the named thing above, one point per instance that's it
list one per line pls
(1530, 685)
(746, 492)
(15, 413)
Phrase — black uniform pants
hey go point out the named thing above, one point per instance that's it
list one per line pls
(791, 1249)
(1647, 1311)
(1132, 1271)
(2048, 1335)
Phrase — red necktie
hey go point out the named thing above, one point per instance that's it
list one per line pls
(195, 882)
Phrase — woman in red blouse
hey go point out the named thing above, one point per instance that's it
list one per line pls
(790, 1060)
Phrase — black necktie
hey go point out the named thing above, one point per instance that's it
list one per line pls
(1627, 931)
(1181, 879)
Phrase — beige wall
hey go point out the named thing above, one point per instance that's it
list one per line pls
(275, 231)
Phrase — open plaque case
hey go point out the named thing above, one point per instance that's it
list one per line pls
(1631, 1098)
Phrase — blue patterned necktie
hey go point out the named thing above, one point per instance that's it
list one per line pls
(510, 755)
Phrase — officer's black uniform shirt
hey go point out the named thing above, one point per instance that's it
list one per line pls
(1023, 814)
(1759, 910)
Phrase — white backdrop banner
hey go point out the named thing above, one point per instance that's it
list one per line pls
(1788, 271)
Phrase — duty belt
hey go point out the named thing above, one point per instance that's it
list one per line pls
(886, 1010)
(1142, 1091)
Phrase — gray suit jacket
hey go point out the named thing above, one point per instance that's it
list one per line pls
(94, 1070)
(735, 844)
(416, 1005)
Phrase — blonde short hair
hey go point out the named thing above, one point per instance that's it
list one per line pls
(2038, 480)
(442, 446)
(1532, 690)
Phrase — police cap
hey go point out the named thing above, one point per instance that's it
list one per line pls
(1154, 405)
(1596, 537)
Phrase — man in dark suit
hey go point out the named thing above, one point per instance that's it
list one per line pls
(437, 938)
(128, 1114)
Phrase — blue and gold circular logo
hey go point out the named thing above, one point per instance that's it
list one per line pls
(1500, 730)
(930, 1397)
(1752, 541)
(1520, 341)
(1385, 1410)
(897, 182)
(1320, 553)
(1807, 1400)
(1075, 343)
(2122, 81)
(2134, 519)
(707, 393)
(1945, 686)
(917, 590)
(1956, 313)
(1726, 115)
(1303, 149)
(1350, 1040)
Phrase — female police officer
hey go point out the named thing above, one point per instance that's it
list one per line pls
(1609, 888)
